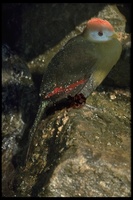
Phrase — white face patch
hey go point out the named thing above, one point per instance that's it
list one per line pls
(103, 35)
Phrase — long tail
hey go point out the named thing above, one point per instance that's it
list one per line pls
(39, 115)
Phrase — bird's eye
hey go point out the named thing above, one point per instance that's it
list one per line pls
(100, 33)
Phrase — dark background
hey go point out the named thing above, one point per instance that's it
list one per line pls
(32, 28)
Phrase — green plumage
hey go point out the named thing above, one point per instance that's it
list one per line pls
(79, 67)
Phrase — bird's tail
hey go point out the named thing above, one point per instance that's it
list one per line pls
(41, 111)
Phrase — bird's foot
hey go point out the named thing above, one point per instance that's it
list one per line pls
(77, 101)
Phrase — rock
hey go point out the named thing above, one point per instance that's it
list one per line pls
(18, 98)
(82, 152)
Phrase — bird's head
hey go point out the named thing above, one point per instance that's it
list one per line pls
(99, 30)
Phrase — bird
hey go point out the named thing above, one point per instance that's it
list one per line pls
(79, 67)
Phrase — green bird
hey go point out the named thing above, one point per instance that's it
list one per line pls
(80, 66)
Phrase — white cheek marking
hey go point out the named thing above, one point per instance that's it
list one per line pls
(96, 37)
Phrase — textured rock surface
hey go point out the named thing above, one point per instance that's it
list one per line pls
(82, 152)
(76, 152)
(18, 98)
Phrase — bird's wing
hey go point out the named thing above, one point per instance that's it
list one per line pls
(69, 70)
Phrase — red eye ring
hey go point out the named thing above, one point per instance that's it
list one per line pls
(100, 33)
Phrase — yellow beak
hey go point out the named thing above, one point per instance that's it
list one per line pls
(114, 35)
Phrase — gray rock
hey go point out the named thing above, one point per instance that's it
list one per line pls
(82, 152)
(18, 98)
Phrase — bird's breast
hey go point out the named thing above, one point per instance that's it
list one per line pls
(107, 54)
